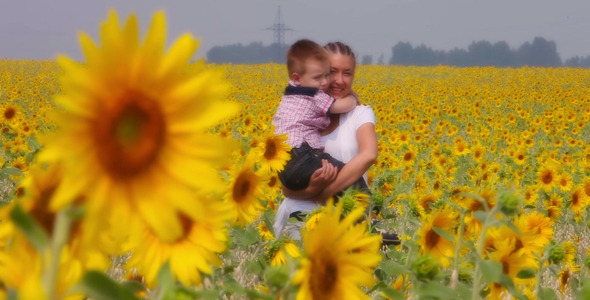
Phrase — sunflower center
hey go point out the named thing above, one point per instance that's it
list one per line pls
(431, 239)
(547, 178)
(575, 199)
(41, 212)
(408, 156)
(241, 188)
(130, 135)
(325, 279)
(187, 225)
(270, 151)
(9, 113)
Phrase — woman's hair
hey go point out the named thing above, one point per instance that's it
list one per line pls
(341, 48)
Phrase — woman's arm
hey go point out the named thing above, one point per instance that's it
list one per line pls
(358, 165)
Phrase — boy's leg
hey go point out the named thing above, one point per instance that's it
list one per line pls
(297, 172)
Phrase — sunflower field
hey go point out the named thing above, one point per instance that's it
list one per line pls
(138, 173)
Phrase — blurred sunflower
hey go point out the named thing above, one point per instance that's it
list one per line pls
(189, 255)
(245, 192)
(339, 257)
(133, 126)
(431, 242)
(280, 250)
(564, 182)
(273, 153)
(578, 202)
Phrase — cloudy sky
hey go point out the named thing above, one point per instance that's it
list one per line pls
(37, 29)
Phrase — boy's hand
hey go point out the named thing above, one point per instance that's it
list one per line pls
(323, 176)
(318, 181)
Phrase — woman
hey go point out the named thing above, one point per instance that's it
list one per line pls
(350, 138)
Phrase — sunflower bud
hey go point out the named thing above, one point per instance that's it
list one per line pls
(426, 267)
(509, 203)
(587, 262)
(556, 253)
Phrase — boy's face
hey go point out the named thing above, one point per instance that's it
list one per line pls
(316, 75)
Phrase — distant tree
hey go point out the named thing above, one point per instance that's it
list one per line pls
(503, 55)
(540, 53)
(457, 57)
(367, 60)
(578, 62)
(481, 54)
(402, 54)
(254, 53)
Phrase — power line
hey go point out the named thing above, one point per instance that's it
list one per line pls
(279, 29)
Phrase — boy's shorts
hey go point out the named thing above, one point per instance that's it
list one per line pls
(304, 161)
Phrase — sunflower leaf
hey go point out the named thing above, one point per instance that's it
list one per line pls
(507, 282)
(445, 234)
(392, 268)
(30, 228)
(12, 171)
(232, 286)
(245, 238)
(549, 294)
(33, 143)
(254, 294)
(99, 286)
(491, 270)
(436, 290)
(480, 215)
(388, 291)
(165, 281)
(526, 273)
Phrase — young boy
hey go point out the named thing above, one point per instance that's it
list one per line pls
(304, 111)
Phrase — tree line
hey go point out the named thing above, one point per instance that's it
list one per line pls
(540, 52)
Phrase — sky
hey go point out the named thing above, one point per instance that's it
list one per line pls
(41, 29)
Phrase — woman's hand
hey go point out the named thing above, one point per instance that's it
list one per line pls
(318, 181)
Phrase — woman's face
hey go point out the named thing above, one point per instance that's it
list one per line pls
(341, 75)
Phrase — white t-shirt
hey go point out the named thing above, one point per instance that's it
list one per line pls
(341, 144)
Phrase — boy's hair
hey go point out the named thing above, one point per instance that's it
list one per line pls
(301, 51)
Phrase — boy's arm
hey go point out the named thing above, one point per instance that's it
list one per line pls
(343, 105)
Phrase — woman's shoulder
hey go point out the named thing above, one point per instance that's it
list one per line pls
(363, 110)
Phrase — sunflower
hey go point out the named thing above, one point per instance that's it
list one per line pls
(38, 191)
(339, 257)
(564, 182)
(409, 156)
(21, 269)
(133, 126)
(547, 177)
(191, 254)
(460, 148)
(245, 192)
(578, 202)
(273, 153)
(512, 262)
(554, 206)
(286, 247)
(431, 242)
(568, 272)
(264, 232)
(9, 114)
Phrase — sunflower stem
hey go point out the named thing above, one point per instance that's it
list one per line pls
(60, 235)
(480, 243)
(539, 275)
(458, 250)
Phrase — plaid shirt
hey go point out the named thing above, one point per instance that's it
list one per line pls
(302, 113)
